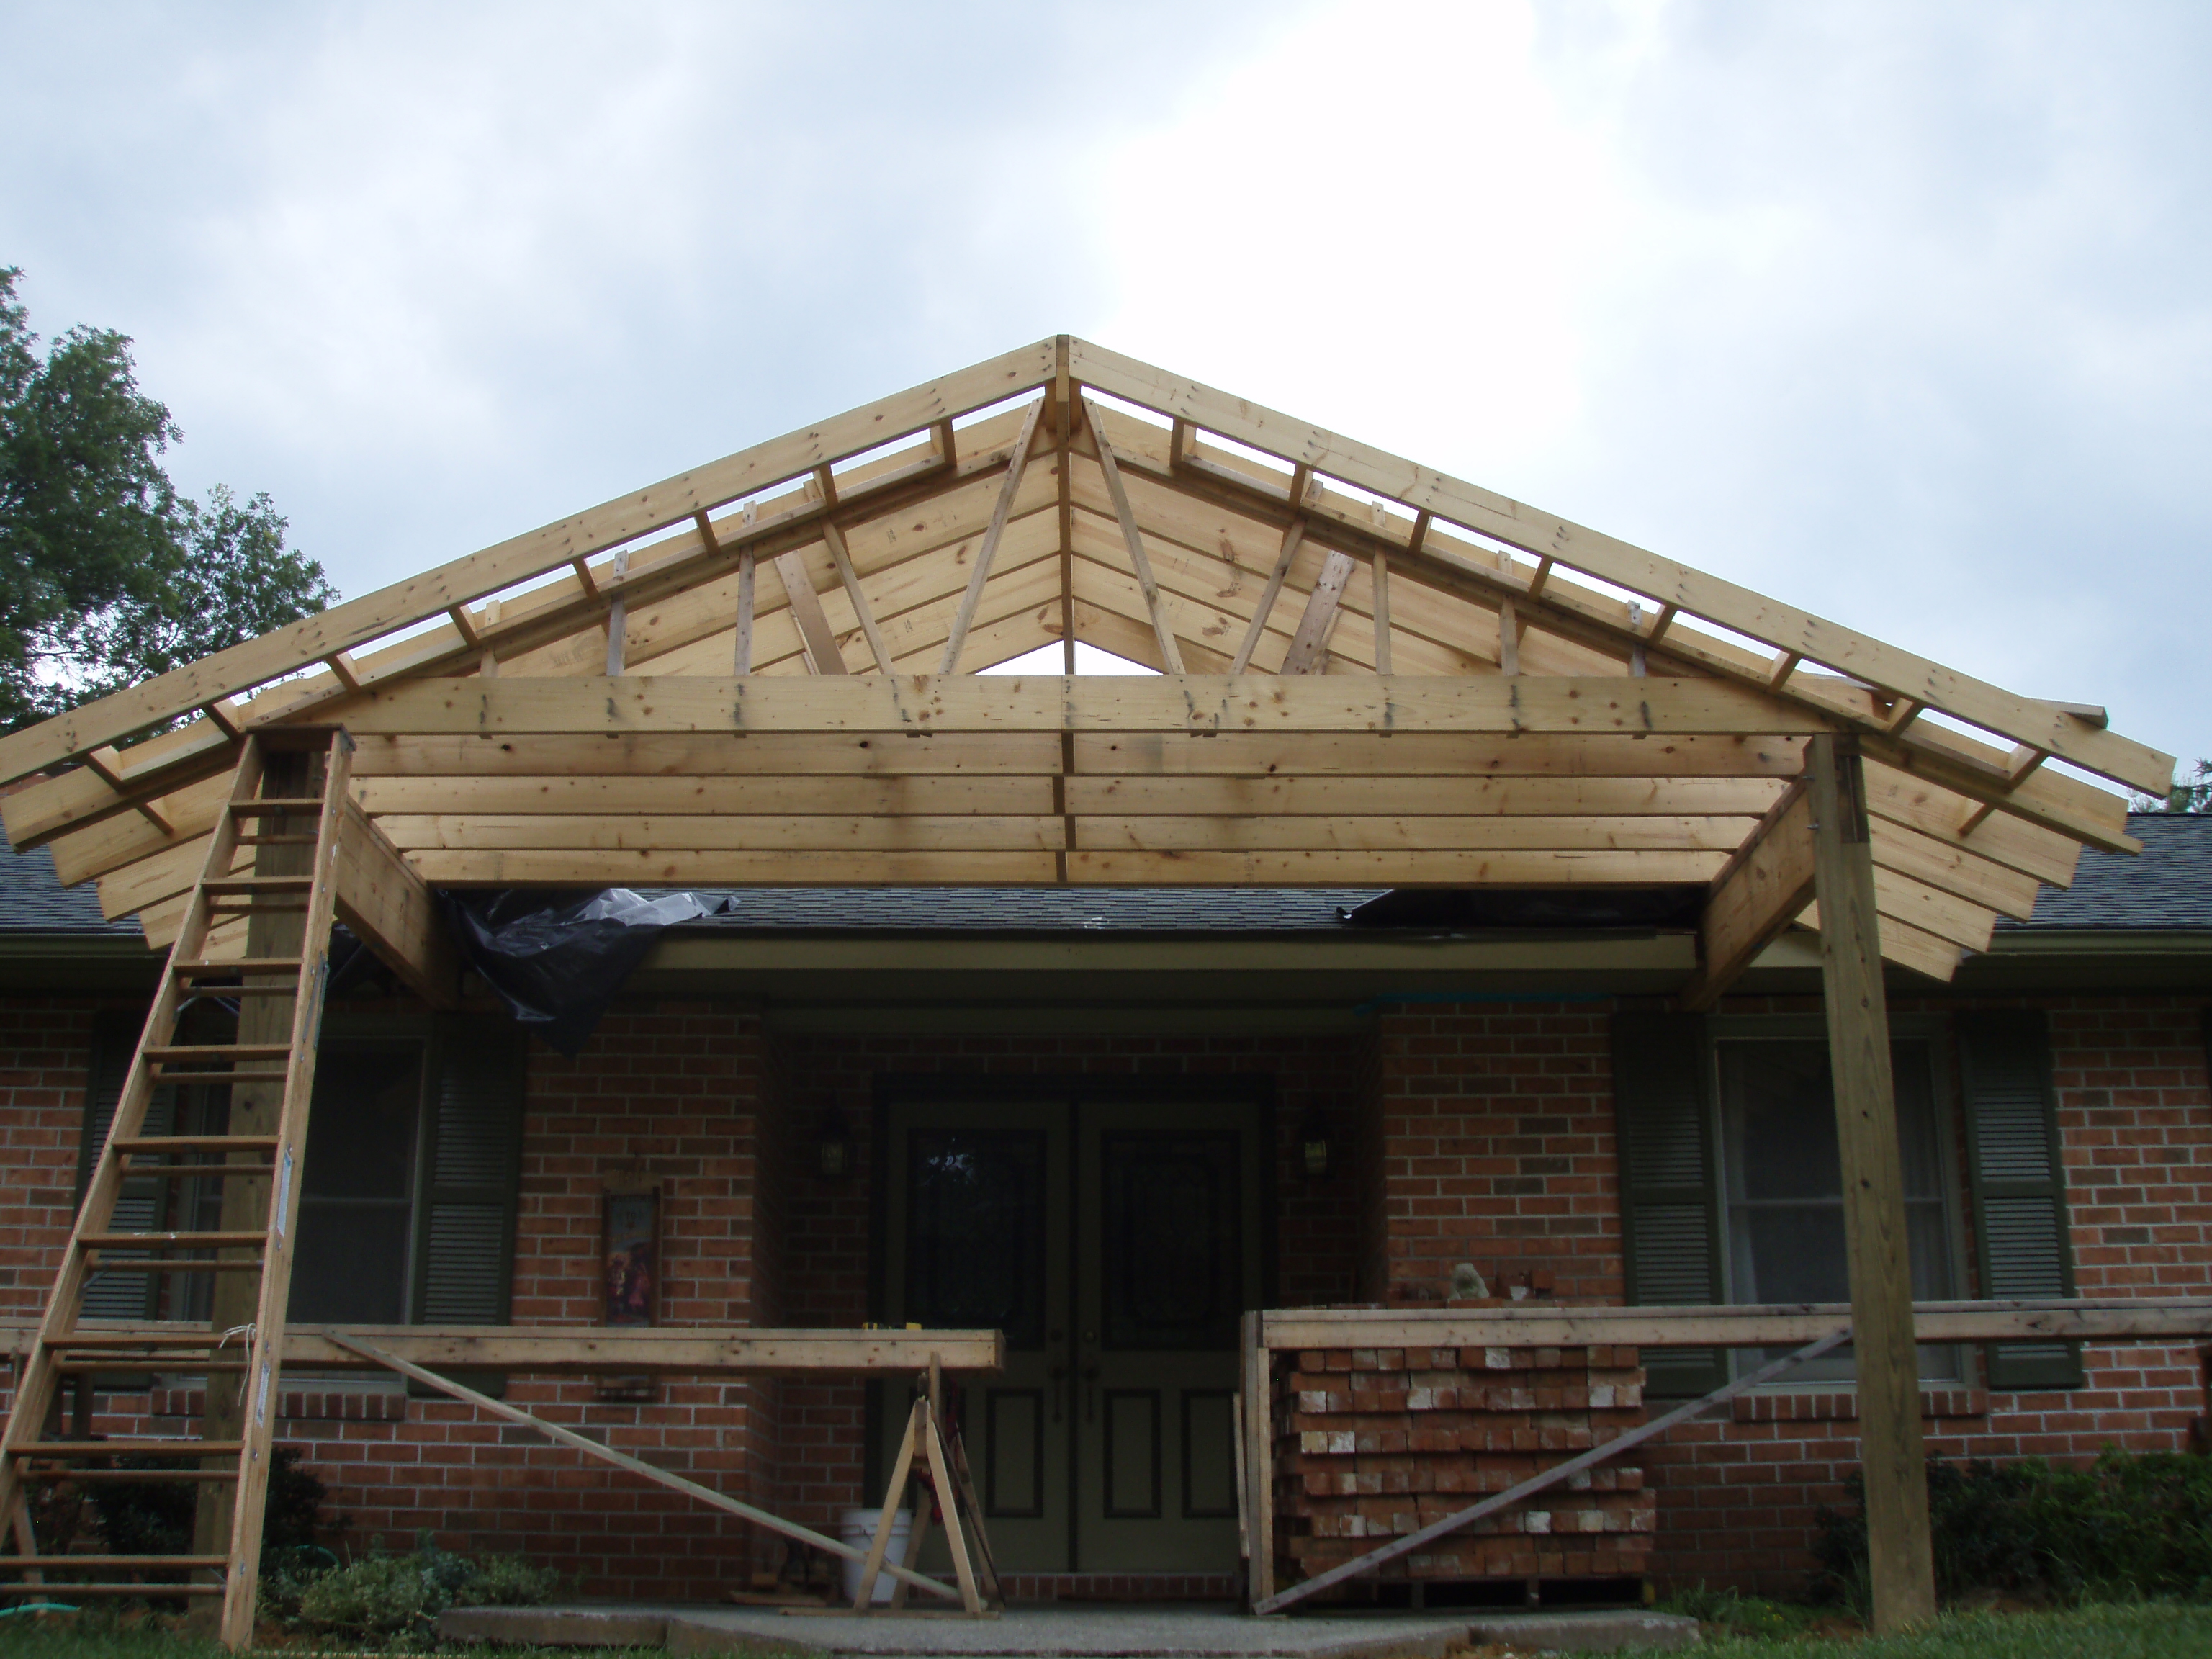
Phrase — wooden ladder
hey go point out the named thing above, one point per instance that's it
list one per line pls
(291, 828)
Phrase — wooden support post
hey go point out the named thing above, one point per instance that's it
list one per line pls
(1008, 487)
(618, 620)
(1308, 648)
(745, 657)
(817, 643)
(1162, 629)
(1898, 1546)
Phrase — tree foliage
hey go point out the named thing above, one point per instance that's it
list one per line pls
(108, 575)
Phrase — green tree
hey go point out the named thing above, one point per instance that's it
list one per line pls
(107, 575)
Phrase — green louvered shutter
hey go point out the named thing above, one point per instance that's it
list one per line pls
(472, 1163)
(138, 1206)
(2019, 1185)
(1670, 1204)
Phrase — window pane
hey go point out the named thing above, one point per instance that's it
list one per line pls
(1783, 1183)
(360, 1129)
(357, 1191)
(976, 1242)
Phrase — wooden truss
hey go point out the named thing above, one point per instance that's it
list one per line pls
(1373, 673)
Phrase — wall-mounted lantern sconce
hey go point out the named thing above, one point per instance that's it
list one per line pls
(835, 1149)
(1314, 1146)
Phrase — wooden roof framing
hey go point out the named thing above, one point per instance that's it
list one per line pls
(1374, 672)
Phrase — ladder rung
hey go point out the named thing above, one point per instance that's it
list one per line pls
(258, 884)
(144, 1563)
(79, 1477)
(247, 809)
(194, 1171)
(200, 1338)
(129, 1449)
(46, 1592)
(132, 1263)
(133, 1366)
(224, 1241)
(235, 965)
(197, 1143)
(181, 1052)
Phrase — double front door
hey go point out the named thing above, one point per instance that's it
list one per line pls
(1115, 1242)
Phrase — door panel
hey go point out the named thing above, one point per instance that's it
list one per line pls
(1168, 1254)
(1115, 1243)
(977, 1236)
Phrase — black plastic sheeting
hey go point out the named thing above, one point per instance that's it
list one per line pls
(557, 959)
(1569, 908)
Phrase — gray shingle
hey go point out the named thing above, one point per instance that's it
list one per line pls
(33, 900)
(2166, 887)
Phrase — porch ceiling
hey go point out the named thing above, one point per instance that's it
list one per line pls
(762, 671)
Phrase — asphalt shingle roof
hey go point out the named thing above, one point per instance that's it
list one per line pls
(33, 900)
(2166, 887)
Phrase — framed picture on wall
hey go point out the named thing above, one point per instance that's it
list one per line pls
(630, 1257)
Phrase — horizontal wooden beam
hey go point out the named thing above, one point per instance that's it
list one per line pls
(392, 912)
(1765, 887)
(573, 1350)
(1195, 702)
(2117, 1319)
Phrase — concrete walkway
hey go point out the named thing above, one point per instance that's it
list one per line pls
(1065, 1632)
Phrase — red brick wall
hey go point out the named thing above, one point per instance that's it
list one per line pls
(1497, 1123)
(45, 1052)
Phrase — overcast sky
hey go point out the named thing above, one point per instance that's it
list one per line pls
(1897, 312)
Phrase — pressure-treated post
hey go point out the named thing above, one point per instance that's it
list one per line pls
(1901, 1565)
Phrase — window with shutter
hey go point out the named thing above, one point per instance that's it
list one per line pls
(1669, 1208)
(139, 1206)
(2021, 1228)
(464, 1260)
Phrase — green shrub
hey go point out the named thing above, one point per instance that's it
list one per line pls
(386, 1595)
(1731, 1612)
(2130, 1524)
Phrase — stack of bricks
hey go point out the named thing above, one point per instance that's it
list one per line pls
(1373, 1443)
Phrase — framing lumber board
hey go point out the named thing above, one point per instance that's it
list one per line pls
(823, 655)
(1953, 869)
(924, 795)
(1891, 1450)
(879, 833)
(890, 704)
(164, 875)
(2040, 724)
(1905, 945)
(127, 837)
(1897, 797)
(1393, 868)
(506, 563)
(1432, 754)
(707, 1495)
(1765, 887)
(1268, 833)
(1743, 800)
(392, 913)
(676, 755)
(1749, 1325)
(855, 595)
(1309, 642)
(1961, 922)
(580, 868)
(965, 617)
(1264, 606)
(1170, 655)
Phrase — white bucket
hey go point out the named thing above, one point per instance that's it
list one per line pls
(858, 1528)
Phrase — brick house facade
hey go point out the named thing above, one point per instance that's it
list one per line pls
(1483, 1130)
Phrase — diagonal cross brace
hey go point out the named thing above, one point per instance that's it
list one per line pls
(1551, 1477)
(636, 1464)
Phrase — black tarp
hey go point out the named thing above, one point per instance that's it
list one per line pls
(558, 958)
